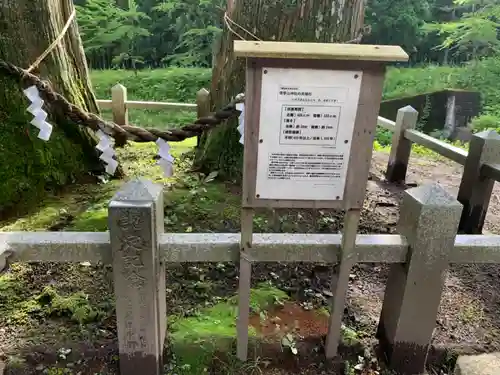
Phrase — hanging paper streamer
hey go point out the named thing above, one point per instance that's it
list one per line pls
(166, 160)
(105, 145)
(241, 120)
(36, 110)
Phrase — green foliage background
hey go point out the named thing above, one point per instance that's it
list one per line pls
(160, 33)
(161, 50)
(150, 33)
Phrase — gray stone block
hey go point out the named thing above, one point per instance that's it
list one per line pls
(135, 222)
(483, 364)
(429, 220)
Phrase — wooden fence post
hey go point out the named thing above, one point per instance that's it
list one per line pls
(475, 190)
(202, 107)
(429, 220)
(135, 222)
(401, 147)
(118, 104)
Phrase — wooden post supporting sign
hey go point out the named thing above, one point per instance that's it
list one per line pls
(310, 119)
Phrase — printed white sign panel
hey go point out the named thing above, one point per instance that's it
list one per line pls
(306, 126)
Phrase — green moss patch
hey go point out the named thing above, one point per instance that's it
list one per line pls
(195, 339)
(20, 304)
(31, 166)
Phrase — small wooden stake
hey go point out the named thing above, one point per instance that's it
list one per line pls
(119, 104)
(202, 107)
(244, 283)
(340, 281)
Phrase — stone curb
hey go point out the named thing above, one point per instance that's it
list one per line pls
(483, 364)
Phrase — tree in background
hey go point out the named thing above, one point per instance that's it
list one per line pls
(160, 33)
(112, 33)
(397, 22)
(128, 33)
(31, 165)
(474, 29)
(197, 24)
(286, 20)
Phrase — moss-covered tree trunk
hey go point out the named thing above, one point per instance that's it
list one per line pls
(30, 165)
(326, 21)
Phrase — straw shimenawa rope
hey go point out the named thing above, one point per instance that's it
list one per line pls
(122, 133)
(54, 43)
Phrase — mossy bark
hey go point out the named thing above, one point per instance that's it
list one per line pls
(281, 20)
(30, 165)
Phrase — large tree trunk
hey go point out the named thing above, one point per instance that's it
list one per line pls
(30, 165)
(285, 20)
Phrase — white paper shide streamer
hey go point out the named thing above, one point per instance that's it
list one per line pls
(241, 120)
(36, 110)
(166, 160)
(105, 145)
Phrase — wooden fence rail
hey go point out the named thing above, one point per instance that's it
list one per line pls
(481, 167)
(138, 250)
(119, 104)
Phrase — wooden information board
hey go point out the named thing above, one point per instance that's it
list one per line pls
(310, 118)
(307, 107)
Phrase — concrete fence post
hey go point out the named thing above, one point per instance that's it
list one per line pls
(202, 107)
(429, 220)
(119, 105)
(475, 190)
(135, 222)
(401, 147)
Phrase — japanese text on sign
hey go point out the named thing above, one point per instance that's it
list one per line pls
(319, 166)
(312, 95)
(305, 133)
(308, 124)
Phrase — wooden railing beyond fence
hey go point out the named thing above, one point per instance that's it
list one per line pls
(119, 104)
(481, 163)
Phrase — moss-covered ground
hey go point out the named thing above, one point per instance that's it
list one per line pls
(60, 319)
(68, 309)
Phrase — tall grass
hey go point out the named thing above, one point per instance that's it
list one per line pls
(181, 85)
(174, 85)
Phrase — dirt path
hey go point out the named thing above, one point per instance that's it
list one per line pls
(445, 172)
(469, 317)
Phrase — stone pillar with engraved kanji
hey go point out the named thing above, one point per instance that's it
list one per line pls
(135, 223)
